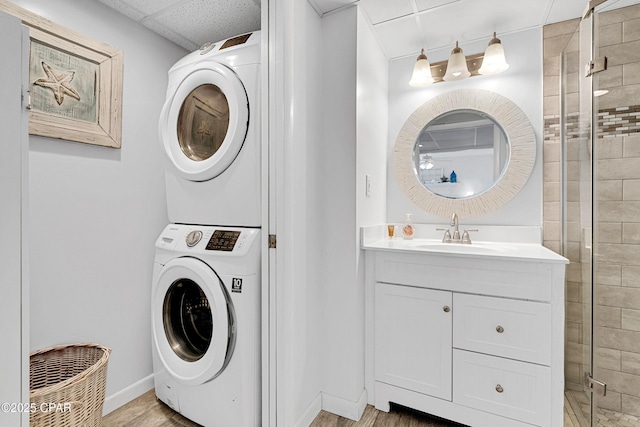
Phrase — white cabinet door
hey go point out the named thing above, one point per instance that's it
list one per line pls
(14, 352)
(413, 334)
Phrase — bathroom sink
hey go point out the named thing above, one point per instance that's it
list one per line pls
(474, 248)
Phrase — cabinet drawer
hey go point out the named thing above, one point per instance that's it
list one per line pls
(505, 387)
(502, 327)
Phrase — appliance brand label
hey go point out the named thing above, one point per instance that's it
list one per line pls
(236, 285)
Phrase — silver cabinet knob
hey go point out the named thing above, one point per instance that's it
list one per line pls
(446, 309)
(499, 388)
(499, 329)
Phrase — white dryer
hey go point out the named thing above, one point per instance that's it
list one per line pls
(205, 311)
(210, 132)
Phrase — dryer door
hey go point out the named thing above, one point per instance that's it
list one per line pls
(192, 321)
(204, 121)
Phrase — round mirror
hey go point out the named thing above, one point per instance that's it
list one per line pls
(461, 153)
(479, 138)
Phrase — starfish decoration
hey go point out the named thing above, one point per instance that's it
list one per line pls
(58, 82)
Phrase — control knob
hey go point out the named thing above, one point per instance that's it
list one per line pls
(193, 238)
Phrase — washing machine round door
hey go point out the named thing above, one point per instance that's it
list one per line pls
(204, 121)
(191, 321)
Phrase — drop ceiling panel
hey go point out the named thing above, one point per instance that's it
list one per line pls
(329, 5)
(431, 4)
(434, 39)
(171, 35)
(399, 37)
(125, 9)
(380, 11)
(471, 20)
(204, 20)
(402, 27)
(149, 7)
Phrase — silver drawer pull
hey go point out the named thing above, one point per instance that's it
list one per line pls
(499, 329)
(446, 308)
(499, 388)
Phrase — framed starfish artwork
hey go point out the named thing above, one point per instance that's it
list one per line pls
(75, 83)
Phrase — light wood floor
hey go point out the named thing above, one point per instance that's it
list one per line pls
(147, 411)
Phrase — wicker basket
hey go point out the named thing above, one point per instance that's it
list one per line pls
(67, 385)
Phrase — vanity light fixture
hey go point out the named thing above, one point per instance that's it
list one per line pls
(494, 61)
(457, 66)
(421, 72)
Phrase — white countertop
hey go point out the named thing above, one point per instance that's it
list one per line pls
(527, 251)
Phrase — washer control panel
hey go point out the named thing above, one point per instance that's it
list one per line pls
(207, 239)
(223, 240)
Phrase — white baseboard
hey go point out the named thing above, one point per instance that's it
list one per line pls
(311, 413)
(345, 408)
(126, 395)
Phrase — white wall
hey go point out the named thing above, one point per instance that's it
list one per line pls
(96, 212)
(341, 313)
(320, 291)
(521, 83)
(372, 111)
(298, 172)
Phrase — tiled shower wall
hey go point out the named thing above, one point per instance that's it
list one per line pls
(617, 184)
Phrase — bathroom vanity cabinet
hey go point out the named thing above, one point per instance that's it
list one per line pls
(474, 336)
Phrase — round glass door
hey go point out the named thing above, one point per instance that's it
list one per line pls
(192, 321)
(187, 319)
(203, 122)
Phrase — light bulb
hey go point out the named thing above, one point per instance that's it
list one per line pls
(456, 66)
(421, 72)
(494, 61)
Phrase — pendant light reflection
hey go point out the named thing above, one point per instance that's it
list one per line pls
(494, 61)
(426, 162)
(457, 66)
(421, 72)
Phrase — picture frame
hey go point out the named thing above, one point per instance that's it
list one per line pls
(75, 83)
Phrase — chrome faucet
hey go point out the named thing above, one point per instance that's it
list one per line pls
(448, 238)
(456, 232)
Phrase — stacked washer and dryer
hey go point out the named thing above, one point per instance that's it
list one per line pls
(206, 278)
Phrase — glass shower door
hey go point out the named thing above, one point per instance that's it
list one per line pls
(600, 125)
(616, 195)
(576, 215)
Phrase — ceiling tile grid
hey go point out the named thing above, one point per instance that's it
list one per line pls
(384, 11)
(439, 23)
(399, 37)
(423, 5)
(402, 27)
(149, 7)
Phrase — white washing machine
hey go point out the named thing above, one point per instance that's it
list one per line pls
(210, 132)
(205, 311)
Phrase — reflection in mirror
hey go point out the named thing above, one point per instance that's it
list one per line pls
(460, 154)
(515, 163)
